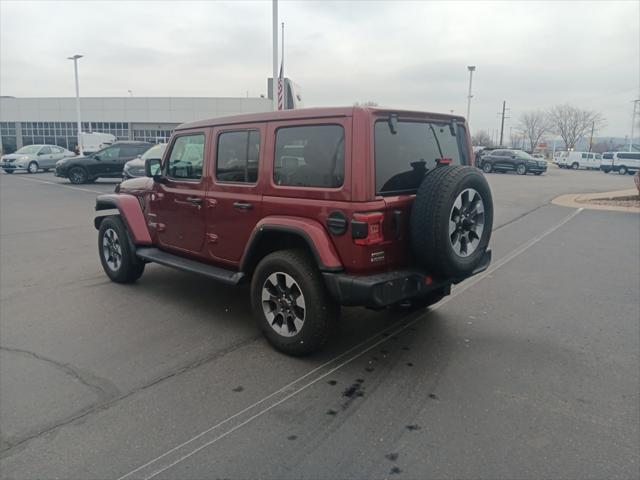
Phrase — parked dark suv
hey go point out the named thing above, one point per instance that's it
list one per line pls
(314, 208)
(518, 161)
(105, 163)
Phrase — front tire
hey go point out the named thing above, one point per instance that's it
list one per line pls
(521, 169)
(118, 259)
(32, 167)
(291, 304)
(78, 175)
(575, 165)
(537, 173)
(487, 168)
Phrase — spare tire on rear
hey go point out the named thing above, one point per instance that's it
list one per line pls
(451, 221)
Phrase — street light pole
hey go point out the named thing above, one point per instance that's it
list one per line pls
(633, 124)
(75, 68)
(471, 69)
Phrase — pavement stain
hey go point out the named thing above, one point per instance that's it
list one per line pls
(413, 427)
(392, 457)
(332, 412)
(395, 471)
(332, 382)
(239, 388)
(292, 437)
(433, 396)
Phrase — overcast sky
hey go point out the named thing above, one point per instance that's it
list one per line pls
(401, 54)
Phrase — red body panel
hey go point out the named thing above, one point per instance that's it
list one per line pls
(312, 230)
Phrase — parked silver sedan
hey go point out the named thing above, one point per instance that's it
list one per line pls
(33, 158)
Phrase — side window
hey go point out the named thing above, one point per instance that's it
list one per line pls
(584, 155)
(309, 156)
(187, 155)
(128, 151)
(238, 156)
(110, 153)
(45, 151)
(56, 149)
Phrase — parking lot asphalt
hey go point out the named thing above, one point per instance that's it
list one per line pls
(529, 370)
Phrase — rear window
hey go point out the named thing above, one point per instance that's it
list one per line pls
(607, 156)
(402, 159)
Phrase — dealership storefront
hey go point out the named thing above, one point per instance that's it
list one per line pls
(27, 121)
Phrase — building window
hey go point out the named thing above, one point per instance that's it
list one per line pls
(152, 136)
(9, 139)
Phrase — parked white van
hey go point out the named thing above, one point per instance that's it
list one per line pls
(576, 160)
(621, 162)
(94, 141)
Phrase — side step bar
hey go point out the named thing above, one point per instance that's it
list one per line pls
(164, 258)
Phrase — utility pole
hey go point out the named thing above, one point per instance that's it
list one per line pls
(504, 109)
(593, 126)
(274, 85)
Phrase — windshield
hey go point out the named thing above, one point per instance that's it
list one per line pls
(155, 152)
(29, 149)
(402, 159)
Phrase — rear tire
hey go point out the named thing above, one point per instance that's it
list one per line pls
(487, 168)
(32, 167)
(119, 261)
(8, 171)
(622, 170)
(451, 221)
(575, 165)
(291, 304)
(78, 175)
(521, 169)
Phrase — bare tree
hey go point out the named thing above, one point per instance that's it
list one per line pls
(368, 103)
(482, 139)
(533, 125)
(573, 123)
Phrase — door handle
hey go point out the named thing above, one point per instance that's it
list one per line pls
(194, 200)
(243, 205)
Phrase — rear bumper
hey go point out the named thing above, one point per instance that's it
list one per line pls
(385, 289)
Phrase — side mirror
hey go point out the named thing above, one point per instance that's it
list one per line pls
(97, 157)
(153, 168)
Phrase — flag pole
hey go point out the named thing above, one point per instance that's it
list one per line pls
(274, 86)
(284, 97)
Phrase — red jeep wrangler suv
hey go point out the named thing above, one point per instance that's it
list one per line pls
(317, 208)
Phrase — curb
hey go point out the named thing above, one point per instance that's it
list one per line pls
(582, 200)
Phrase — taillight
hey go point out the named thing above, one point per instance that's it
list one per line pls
(366, 228)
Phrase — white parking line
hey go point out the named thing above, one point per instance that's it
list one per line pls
(58, 184)
(202, 440)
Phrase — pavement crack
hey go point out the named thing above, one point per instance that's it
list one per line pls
(9, 446)
(104, 389)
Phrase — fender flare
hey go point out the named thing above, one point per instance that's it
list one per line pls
(311, 231)
(128, 207)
